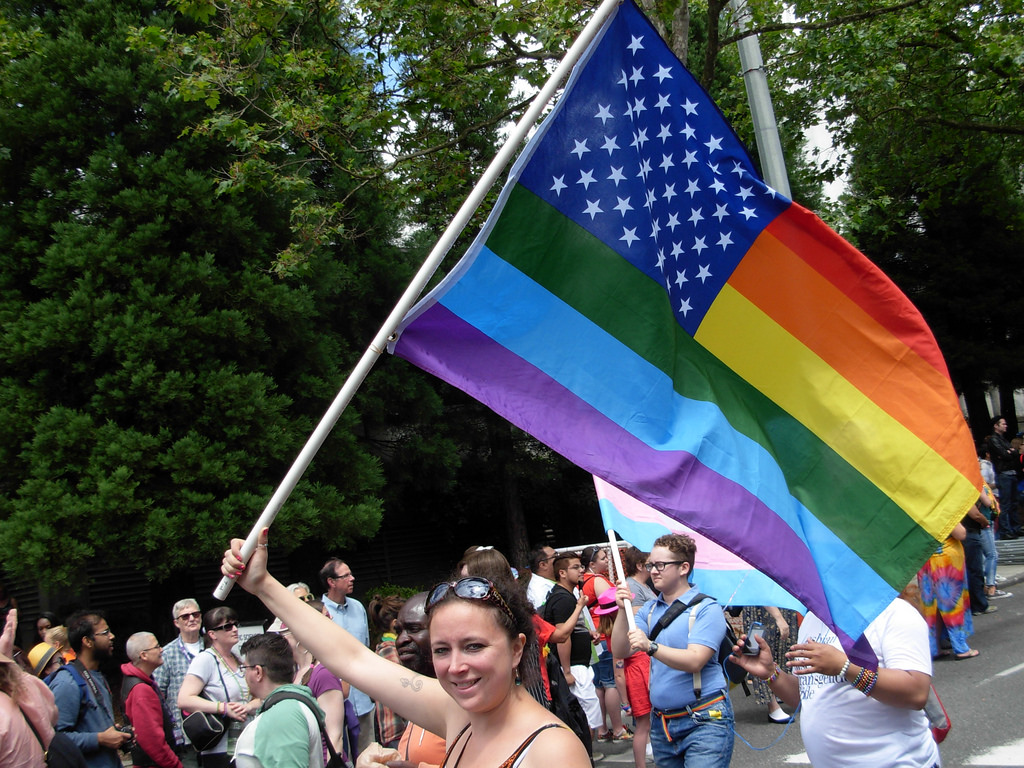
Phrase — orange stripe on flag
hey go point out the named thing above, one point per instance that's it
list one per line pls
(861, 350)
(865, 285)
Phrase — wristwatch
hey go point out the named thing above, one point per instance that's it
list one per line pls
(653, 649)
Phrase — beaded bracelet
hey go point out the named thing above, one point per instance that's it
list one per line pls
(871, 683)
(865, 681)
(859, 680)
(844, 670)
(774, 675)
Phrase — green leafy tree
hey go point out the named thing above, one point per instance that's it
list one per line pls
(157, 378)
(923, 99)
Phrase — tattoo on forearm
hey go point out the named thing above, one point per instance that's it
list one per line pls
(416, 683)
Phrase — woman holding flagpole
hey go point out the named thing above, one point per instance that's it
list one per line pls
(479, 700)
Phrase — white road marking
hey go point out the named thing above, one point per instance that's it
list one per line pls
(1006, 756)
(1011, 671)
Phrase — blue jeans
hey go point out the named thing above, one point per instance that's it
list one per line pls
(703, 739)
(604, 671)
(1006, 482)
(988, 546)
(975, 566)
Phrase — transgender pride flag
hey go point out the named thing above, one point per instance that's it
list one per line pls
(716, 570)
(643, 303)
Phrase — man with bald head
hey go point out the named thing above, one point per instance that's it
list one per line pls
(144, 705)
(412, 641)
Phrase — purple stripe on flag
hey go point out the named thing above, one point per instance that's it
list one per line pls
(751, 530)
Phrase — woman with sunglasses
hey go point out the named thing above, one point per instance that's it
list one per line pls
(301, 590)
(479, 701)
(215, 683)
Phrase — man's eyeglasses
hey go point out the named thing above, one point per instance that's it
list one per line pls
(154, 648)
(470, 588)
(227, 626)
(104, 632)
(343, 576)
(189, 616)
(660, 565)
(244, 667)
(307, 598)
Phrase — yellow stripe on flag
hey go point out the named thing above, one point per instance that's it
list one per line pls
(889, 455)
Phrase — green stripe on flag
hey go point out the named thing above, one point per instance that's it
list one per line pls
(599, 284)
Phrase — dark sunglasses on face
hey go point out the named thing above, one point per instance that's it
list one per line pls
(307, 598)
(227, 626)
(189, 616)
(470, 588)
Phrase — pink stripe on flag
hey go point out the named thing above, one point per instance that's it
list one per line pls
(717, 571)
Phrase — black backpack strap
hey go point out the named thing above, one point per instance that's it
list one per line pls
(127, 683)
(279, 695)
(673, 613)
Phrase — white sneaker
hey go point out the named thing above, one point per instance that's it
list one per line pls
(649, 752)
(999, 594)
(1000, 579)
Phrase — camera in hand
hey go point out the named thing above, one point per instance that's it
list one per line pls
(128, 745)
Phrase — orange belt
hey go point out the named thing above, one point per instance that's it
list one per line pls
(685, 711)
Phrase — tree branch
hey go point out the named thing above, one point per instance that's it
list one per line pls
(815, 25)
(969, 125)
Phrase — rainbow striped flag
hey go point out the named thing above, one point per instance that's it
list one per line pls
(642, 302)
(717, 571)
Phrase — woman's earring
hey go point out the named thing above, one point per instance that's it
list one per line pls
(518, 681)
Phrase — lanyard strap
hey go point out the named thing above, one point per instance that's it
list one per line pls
(94, 688)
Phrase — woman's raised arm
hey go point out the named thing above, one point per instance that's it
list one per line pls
(414, 697)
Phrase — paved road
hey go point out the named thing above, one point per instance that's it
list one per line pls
(983, 697)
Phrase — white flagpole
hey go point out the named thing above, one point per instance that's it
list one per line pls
(415, 288)
(614, 545)
(766, 129)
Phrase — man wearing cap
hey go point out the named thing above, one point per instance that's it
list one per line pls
(144, 706)
(349, 614)
(84, 703)
(169, 676)
(44, 660)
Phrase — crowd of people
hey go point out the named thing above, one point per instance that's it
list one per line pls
(493, 667)
(959, 581)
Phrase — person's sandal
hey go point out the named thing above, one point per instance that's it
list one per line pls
(623, 735)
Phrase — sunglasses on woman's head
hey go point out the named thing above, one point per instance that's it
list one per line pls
(470, 588)
(227, 626)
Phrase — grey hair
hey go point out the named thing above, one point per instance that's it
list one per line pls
(186, 602)
(292, 587)
(138, 643)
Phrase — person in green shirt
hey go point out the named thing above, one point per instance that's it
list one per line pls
(285, 734)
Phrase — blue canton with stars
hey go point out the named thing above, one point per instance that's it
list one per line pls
(636, 153)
